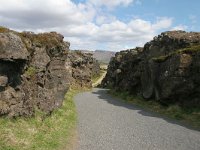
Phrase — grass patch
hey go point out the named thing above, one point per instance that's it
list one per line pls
(96, 77)
(189, 50)
(186, 115)
(52, 133)
(3, 29)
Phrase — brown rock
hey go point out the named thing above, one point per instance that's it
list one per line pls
(3, 81)
(26, 61)
(36, 70)
(12, 47)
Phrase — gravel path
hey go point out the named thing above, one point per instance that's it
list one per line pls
(108, 124)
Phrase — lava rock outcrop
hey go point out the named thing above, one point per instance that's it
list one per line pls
(83, 66)
(167, 69)
(36, 70)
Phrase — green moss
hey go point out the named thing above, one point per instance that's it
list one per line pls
(161, 58)
(192, 49)
(31, 71)
(189, 50)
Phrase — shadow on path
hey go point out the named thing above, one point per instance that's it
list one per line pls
(103, 95)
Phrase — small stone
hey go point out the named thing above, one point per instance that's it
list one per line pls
(3, 81)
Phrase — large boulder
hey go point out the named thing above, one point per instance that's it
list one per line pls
(12, 47)
(176, 77)
(161, 46)
(33, 72)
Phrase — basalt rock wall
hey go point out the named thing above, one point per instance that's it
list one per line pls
(36, 70)
(83, 67)
(167, 69)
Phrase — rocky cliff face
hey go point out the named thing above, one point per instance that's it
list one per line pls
(83, 67)
(124, 71)
(36, 70)
(166, 69)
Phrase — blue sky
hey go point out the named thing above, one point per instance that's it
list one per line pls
(185, 12)
(102, 24)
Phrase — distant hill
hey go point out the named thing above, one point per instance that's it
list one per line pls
(102, 56)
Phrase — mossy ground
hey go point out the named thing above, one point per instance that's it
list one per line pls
(52, 133)
(188, 116)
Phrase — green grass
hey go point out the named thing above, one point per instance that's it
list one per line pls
(96, 78)
(52, 133)
(185, 115)
(189, 50)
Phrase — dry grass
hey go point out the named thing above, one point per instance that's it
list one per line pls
(3, 29)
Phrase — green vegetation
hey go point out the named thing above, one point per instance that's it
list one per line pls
(41, 39)
(189, 50)
(103, 70)
(95, 78)
(30, 71)
(39, 133)
(3, 29)
(185, 115)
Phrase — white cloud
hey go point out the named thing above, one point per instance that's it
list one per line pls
(111, 3)
(104, 19)
(44, 13)
(83, 24)
(179, 27)
(162, 23)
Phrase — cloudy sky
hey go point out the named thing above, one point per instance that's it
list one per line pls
(101, 24)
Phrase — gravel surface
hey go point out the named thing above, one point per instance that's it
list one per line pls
(105, 123)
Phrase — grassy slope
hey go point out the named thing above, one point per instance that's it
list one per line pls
(188, 116)
(53, 132)
(103, 69)
(96, 78)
